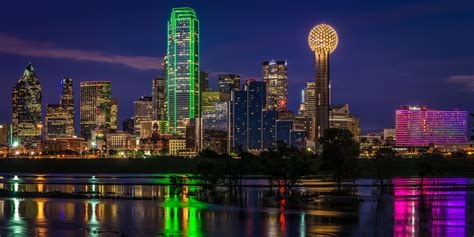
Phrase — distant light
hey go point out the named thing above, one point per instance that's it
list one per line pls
(15, 178)
(15, 144)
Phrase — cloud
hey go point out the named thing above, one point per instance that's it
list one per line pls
(18, 46)
(467, 80)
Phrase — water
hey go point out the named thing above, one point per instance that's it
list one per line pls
(443, 208)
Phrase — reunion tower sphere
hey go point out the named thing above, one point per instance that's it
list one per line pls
(323, 39)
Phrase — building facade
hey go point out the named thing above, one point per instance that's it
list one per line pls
(56, 121)
(4, 134)
(67, 101)
(420, 126)
(215, 127)
(95, 107)
(183, 71)
(27, 112)
(341, 117)
(275, 76)
(228, 82)
(159, 98)
(143, 111)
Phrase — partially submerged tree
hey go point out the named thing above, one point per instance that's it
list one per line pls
(339, 153)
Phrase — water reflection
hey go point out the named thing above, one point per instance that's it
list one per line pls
(443, 207)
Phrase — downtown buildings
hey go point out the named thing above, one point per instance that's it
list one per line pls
(59, 120)
(275, 76)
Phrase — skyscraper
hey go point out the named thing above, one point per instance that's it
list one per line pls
(159, 98)
(246, 116)
(182, 74)
(26, 103)
(275, 75)
(67, 101)
(143, 111)
(228, 82)
(95, 109)
(256, 104)
(322, 40)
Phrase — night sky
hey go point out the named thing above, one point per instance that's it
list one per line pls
(390, 52)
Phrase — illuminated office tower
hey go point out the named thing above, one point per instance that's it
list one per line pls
(95, 107)
(323, 41)
(67, 101)
(215, 127)
(228, 82)
(209, 98)
(56, 121)
(113, 114)
(159, 98)
(275, 75)
(26, 116)
(182, 74)
(143, 111)
(420, 126)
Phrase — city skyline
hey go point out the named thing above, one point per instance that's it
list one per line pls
(373, 100)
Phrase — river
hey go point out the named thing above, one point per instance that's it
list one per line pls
(444, 207)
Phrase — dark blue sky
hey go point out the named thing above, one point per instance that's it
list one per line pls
(390, 52)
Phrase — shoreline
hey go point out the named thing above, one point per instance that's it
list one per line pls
(160, 166)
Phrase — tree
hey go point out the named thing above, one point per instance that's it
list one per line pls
(339, 153)
(380, 155)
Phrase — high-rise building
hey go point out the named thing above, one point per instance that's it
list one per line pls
(246, 116)
(323, 41)
(26, 103)
(204, 81)
(56, 121)
(420, 126)
(183, 84)
(228, 82)
(341, 117)
(256, 104)
(4, 130)
(95, 107)
(143, 111)
(283, 131)
(275, 75)
(67, 101)
(159, 98)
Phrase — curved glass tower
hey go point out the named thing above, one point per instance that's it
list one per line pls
(182, 69)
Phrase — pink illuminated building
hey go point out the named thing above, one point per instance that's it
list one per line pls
(420, 126)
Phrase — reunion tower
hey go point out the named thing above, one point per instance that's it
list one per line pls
(323, 41)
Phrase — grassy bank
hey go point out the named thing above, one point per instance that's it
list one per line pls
(390, 167)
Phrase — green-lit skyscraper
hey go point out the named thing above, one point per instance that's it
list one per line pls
(182, 69)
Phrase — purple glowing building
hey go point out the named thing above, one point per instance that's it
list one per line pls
(419, 126)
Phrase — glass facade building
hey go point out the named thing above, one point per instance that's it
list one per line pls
(159, 98)
(215, 127)
(419, 126)
(182, 69)
(26, 116)
(256, 91)
(95, 107)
